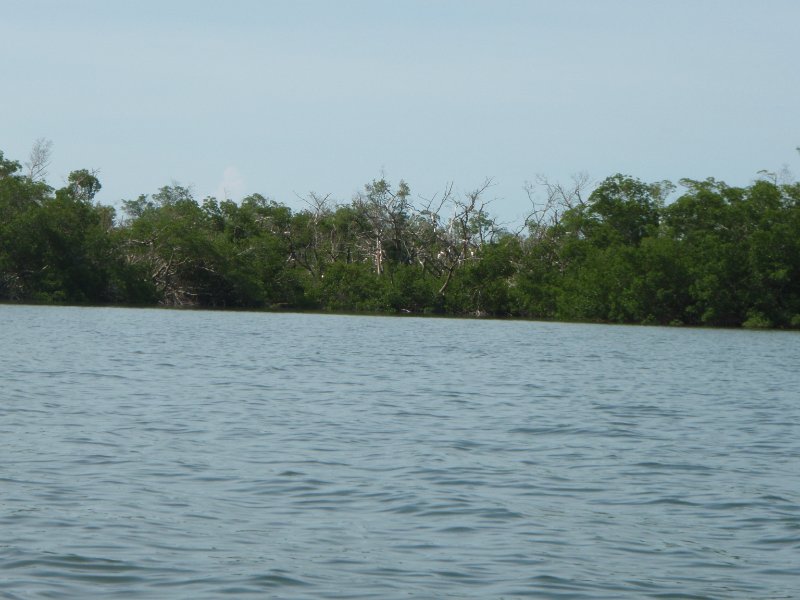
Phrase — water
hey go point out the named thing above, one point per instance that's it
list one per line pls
(169, 454)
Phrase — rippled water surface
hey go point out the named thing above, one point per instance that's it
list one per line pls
(172, 454)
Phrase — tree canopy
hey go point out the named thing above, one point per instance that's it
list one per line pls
(715, 255)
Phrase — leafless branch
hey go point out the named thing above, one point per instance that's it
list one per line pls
(39, 159)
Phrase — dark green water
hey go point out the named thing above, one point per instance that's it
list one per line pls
(167, 454)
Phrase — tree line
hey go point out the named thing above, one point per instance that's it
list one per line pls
(716, 255)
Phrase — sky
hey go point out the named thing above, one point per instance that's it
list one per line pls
(283, 98)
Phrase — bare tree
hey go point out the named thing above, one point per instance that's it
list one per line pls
(39, 159)
(558, 198)
(458, 239)
(428, 233)
(387, 213)
(306, 247)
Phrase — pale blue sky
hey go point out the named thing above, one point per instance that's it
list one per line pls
(283, 98)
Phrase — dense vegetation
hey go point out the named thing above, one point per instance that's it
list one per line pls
(716, 255)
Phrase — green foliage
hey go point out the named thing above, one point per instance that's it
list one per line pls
(57, 248)
(8, 167)
(353, 287)
(717, 255)
(412, 290)
(485, 282)
(83, 185)
(622, 210)
(757, 320)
